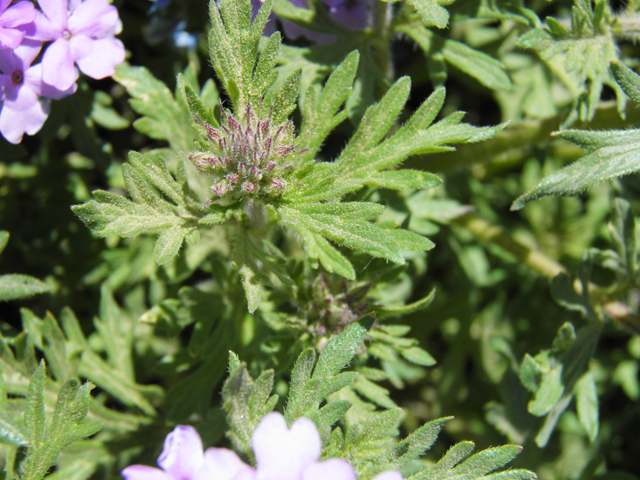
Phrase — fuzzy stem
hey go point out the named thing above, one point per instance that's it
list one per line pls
(488, 232)
(381, 39)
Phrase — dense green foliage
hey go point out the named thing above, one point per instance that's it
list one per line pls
(314, 226)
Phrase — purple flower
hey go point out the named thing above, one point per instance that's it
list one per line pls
(182, 459)
(23, 110)
(82, 32)
(20, 14)
(353, 14)
(281, 454)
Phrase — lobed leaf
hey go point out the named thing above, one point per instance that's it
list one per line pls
(613, 153)
(16, 286)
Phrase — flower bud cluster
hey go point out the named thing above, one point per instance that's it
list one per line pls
(249, 158)
(335, 303)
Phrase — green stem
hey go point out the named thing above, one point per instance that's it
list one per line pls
(488, 232)
(381, 38)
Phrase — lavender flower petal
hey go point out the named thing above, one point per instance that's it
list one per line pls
(142, 472)
(58, 65)
(223, 464)
(282, 453)
(334, 468)
(93, 18)
(182, 455)
(107, 53)
(22, 13)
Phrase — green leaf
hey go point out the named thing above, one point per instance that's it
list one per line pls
(332, 260)
(233, 50)
(421, 440)
(245, 262)
(612, 154)
(431, 13)
(15, 286)
(163, 118)
(628, 80)
(485, 69)
(168, 244)
(4, 239)
(418, 356)
(487, 461)
(548, 394)
(12, 428)
(587, 404)
(580, 55)
(340, 349)
(309, 389)
(530, 373)
(404, 180)
(320, 114)
(197, 107)
(368, 152)
(337, 222)
(34, 414)
(246, 401)
(158, 206)
(67, 425)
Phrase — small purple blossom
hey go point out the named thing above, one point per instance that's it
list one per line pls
(353, 14)
(182, 459)
(22, 13)
(281, 454)
(22, 109)
(82, 33)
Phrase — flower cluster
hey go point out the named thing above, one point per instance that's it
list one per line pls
(77, 32)
(281, 454)
(247, 157)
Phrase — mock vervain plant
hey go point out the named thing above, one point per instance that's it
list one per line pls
(302, 262)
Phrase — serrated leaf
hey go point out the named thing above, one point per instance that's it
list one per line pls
(34, 413)
(321, 114)
(486, 461)
(580, 55)
(12, 428)
(246, 401)
(421, 440)
(197, 107)
(368, 153)
(628, 80)
(332, 260)
(67, 425)
(487, 70)
(340, 349)
(391, 312)
(418, 356)
(613, 153)
(373, 392)
(163, 118)
(249, 272)
(404, 180)
(333, 221)
(15, 286)
(168, 244)
(587, 404)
